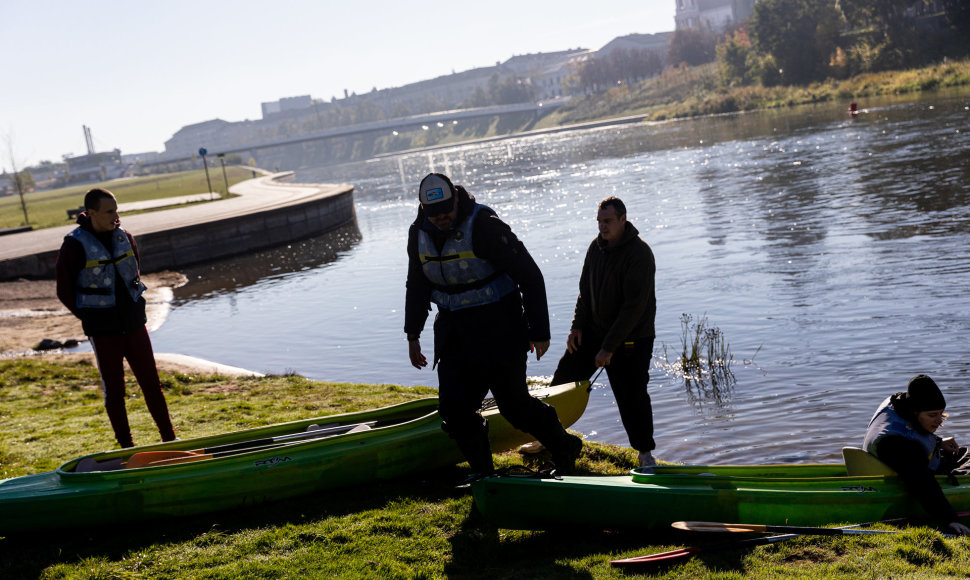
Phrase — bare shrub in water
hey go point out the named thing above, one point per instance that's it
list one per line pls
(705, 355)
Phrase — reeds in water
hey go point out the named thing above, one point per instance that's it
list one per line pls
(706, 357)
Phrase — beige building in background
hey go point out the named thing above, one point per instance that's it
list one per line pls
(713, 15)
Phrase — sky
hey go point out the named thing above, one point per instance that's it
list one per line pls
(136, 72)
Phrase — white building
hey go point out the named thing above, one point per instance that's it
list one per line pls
(714, 15)
(286, 104)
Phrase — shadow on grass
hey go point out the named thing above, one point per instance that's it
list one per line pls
(477, 548)
(480, 550)
(27, 556)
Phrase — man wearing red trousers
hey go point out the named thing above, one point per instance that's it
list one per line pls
(98, 281)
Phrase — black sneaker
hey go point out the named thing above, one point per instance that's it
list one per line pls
(565, 459)
(472, 478)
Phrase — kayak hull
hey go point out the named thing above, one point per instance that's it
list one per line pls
(795, 495)
(401, 440)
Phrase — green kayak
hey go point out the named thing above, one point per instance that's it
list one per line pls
(784, 494)
(252, 466)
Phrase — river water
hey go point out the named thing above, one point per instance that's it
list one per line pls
(831, 252)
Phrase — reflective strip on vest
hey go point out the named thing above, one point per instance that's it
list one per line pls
(472, 280)
(95, 284)
(886, 421)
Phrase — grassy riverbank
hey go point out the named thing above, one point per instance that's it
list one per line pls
(675, 94)
(419, 527)
(49, 208)
(697, 91)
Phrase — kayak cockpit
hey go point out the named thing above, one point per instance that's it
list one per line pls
(253, 440)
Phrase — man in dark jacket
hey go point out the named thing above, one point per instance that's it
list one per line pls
(98, 281)
(613, 325)
(492, 311)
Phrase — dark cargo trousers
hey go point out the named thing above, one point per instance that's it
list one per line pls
(473, 359)
(629, 373)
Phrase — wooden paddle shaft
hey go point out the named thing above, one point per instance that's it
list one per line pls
(744, 528)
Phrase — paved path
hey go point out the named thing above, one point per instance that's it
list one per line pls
(255, 196)
(166, 202)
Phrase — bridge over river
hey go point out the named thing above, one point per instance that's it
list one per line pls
(389, 126)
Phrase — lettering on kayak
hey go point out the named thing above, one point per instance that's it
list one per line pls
(275, 460)
(859, 488)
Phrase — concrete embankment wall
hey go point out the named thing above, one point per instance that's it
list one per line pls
(35, 266)
(172, 249)
(267, 214)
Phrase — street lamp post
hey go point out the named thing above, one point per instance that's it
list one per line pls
(203, 152)
(222, 160)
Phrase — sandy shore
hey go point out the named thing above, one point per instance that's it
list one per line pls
(30, 312)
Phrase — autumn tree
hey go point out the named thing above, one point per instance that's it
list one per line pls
(619, 65)
(958, 17)
(734, 58)
(692, 46)
(889, 29)
(510, 90)
(800, 36)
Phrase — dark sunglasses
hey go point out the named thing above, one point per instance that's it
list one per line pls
(439, 208)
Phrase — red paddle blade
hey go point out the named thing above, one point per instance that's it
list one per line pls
(144, 458)
(183, 459)
(661, 558)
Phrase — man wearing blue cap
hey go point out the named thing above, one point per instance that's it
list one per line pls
(492, 311)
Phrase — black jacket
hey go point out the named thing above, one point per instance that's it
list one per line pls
(908, 459)
(494, 241)
(617, 300)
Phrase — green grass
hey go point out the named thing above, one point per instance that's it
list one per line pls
(48, 208)
(419, 527)
(52, 412)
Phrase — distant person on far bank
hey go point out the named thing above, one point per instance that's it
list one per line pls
(492, 312)
(902, 434)
(98, 280)
(613, 323)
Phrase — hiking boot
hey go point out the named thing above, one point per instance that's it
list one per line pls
(565, 458)
(647, 462)
(646, 459)
(477, 452)
(531, 448)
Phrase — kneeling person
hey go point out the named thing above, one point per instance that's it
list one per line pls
(902, 433)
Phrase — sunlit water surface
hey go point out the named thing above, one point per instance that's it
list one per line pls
(831, 252)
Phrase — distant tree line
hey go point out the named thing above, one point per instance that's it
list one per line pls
(618, 66)
(508, 91)
(801, 41)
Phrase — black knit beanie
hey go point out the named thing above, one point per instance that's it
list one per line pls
(922, 394)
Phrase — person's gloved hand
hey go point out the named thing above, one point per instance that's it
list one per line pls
(959, 529)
